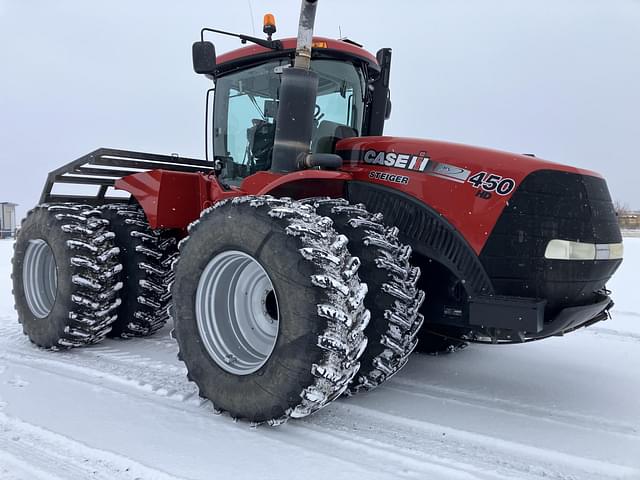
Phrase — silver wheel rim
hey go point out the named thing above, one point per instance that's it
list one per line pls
(39, 278)
(237, 312)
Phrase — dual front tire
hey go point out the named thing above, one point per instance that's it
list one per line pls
(268, 364)
(269, 312)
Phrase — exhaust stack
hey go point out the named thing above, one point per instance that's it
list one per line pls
(305, 34)
(298, 90)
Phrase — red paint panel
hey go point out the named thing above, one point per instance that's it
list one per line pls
(457, 200)
(173, 199)
(263, 183)
(290, 43)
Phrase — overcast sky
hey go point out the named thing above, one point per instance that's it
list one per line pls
(558, 78)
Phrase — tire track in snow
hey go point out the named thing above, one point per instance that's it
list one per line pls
(525, 460)
(165, 379)
(474, 399)
(404, 386)
(422, 445)
(169, 379)
(43, 454)
(406, 461)
(13, 468)
(301, 438)
(617, 335)
(132, 371)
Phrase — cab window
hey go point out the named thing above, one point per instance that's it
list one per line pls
(246, 105)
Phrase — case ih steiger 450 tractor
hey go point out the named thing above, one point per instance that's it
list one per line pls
(310, 255)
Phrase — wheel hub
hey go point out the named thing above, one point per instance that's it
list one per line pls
(237, 312)
(39, 278)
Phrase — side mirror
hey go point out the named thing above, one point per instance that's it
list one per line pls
(204, 57)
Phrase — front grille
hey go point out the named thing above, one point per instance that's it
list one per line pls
(552, 204)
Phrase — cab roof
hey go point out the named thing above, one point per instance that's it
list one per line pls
(321, 47)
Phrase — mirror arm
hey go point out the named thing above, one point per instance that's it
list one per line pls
(270, 44)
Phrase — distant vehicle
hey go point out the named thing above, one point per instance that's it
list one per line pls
(629, 220)
(7, 219)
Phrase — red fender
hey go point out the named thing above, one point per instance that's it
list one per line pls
(302, 184)
(175, 199)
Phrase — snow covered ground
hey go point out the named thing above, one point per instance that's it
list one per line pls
(564, 408)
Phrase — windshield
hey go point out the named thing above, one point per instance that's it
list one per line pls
(246, 106)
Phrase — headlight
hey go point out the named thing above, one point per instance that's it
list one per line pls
(566, 250)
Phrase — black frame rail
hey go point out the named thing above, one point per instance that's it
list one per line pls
(104, 166)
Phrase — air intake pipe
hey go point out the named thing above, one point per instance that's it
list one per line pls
(298, 91)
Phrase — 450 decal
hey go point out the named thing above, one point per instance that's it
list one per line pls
(490, 182)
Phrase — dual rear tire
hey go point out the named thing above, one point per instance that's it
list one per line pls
(146, 256)
(66, 276)
(81, 274)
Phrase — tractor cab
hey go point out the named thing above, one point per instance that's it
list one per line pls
(351, 99)
(246, 106)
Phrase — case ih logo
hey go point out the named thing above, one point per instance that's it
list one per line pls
(397, 160)
(417, 163)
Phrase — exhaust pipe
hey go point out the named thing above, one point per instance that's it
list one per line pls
(305, 34)
(298, 90)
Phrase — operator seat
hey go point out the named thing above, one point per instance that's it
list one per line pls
(260, 137)
(328, 134)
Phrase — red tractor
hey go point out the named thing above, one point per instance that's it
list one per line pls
(294, 262)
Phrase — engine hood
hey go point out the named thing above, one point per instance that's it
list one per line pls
(466, 157)
(469, 187)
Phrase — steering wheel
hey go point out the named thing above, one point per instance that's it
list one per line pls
(317, 116)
